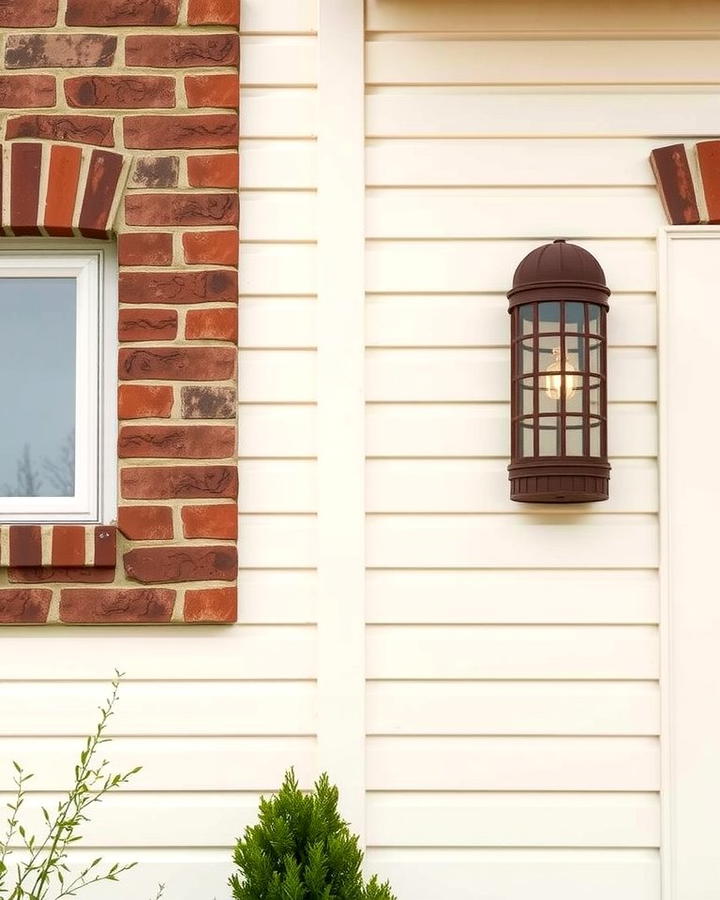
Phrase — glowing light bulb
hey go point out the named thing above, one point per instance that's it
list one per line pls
(554, 386)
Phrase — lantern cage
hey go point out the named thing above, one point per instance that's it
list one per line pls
(558, 309)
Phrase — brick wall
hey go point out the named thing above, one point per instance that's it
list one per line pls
(121, 116)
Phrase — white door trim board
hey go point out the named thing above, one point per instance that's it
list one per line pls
(341, 399)
(690, 614)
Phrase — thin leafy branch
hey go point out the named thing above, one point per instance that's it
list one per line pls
(43, 872)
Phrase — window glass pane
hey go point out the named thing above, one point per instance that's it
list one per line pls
(595, 396)
(549, 316)
(527, 395)
(574, 317)
(594, 318)
(595, 437)
(526, 437)
(574, 436)
(549, 436)
(528, 356)
(37, 372)
(594, 345)
(526, 318)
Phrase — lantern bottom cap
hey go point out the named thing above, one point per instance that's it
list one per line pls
(585, 483)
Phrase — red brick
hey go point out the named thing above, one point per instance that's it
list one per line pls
(28, 13)
(219, 91)
(27, 91)
(68, 545)
(146, 523)
(179, 482)
(25, 545)
(100, 188)
(220, 521)
(182, 51)
(203, 402)
(139, 401)
(25, 189)
(62, 575)
(24, 607)
(105, 545)
(96, 130)
(214, 12)
(120, 91)
(214, 285)
(212, 325)
(181, 209)
(211, 248)
(168, 565)
(147, 325)
(112, 605)
(176, 442)
(177, 363)
(155, 172)
(214, 130)
(42, 51)
(219, 171)
(122, 12)
(63, 180)
(211, 606)
(145, 249)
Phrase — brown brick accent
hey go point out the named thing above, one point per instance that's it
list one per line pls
(27, 91)
(140, 401)
(29, 14)
(103, 605)
(103, 13)
(211, 606)
(218, 248)
(118, 118)
(81, 192)
(145, 249)
(24, 606)
(182, 52)
(211, 324)
(217, 171)
(219, 521)
(146, 523)
(64, 546)
(120, 91)
(66, 51)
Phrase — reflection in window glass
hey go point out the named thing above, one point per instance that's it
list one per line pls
(37, 374)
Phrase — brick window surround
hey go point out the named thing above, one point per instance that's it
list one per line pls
(119, 121)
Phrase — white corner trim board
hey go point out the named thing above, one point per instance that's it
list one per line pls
(341, 397)
(690, 616)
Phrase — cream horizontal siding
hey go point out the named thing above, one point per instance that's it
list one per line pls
(513, 658)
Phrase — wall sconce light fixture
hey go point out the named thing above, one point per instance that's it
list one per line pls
(558, 309)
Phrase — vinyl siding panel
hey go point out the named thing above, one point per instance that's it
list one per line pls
(513, 652)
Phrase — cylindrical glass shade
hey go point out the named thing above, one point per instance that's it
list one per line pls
(558, 352)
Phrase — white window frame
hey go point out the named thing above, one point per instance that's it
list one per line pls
(95, 269)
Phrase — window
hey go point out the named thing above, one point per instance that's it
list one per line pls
(57, 379)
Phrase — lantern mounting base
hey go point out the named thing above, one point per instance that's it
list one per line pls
(559, 480)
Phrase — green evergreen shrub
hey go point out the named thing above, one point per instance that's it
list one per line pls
(302, 850)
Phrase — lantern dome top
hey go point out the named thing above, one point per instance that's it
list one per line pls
(559, 271)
